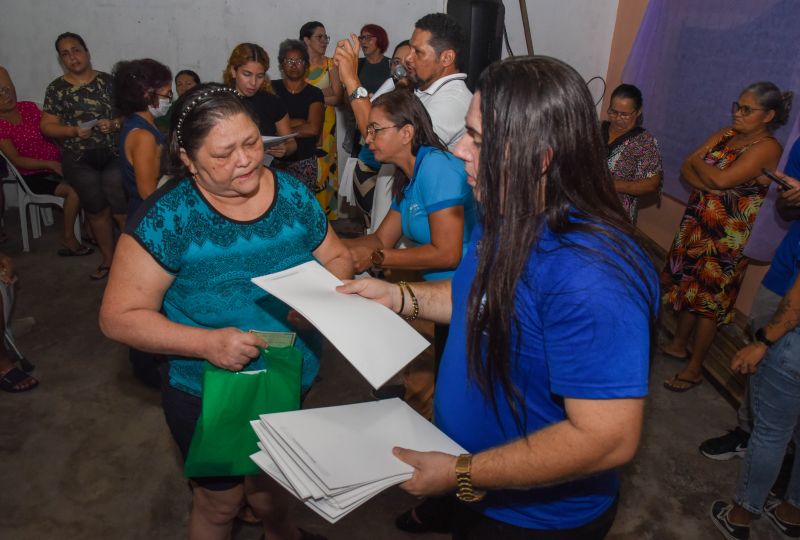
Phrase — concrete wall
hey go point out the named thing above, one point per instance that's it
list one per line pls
(199, 34)
(578, 32)
(194, 34)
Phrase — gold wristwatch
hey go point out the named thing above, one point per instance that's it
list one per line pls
(466, 491)
(376, 258)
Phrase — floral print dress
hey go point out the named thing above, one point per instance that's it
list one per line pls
(706, 263)
(633, 155)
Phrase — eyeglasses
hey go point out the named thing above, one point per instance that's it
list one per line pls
(165, 96)
(373, 129)
(322, 37)
(365, 37)
(744, 109)
(296, 62)
(619, 114)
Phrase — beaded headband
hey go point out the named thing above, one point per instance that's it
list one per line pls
(194, 103)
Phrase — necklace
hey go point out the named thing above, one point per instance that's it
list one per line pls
(294, 91)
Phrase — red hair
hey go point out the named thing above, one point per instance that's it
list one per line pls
(382, 40)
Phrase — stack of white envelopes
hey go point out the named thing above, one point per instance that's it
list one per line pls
(337, 458)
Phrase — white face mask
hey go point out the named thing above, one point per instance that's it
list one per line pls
(163, 107)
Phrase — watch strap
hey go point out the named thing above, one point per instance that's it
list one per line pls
(761, 336)
(466, 491)
(359, 93)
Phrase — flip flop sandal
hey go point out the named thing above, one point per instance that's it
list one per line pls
(11, 379)
(101, 273)
(670, 384)
(80, 252)
(673, 356)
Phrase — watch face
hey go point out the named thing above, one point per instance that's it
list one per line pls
(360, 92)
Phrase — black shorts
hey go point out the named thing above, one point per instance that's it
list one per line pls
(97, 177)
(181, 411)
(43, 183)
(469, 524)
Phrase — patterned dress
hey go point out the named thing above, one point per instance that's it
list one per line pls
(633, 155)
(706, 262)
(82, 103)
(327, 175)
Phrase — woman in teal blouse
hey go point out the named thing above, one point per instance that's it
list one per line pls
(180, 284)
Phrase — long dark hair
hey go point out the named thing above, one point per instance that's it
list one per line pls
(403, 109)
(537, 113)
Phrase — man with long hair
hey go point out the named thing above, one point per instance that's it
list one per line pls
(552, 310)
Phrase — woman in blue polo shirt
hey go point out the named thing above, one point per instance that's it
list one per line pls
(432, 203)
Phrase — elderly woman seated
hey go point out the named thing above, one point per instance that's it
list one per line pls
(37, 158)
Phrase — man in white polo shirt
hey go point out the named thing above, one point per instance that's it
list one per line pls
(432, 65)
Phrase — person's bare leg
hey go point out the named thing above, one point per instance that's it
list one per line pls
(120, 219)
(213, 512)
(270, 504)
(677, 346)
(72, 205)
(705, 332)
(739, 516)
(103, 235)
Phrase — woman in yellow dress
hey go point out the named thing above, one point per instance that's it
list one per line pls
(324, 75)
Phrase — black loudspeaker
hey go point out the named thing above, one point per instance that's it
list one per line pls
(482, 21)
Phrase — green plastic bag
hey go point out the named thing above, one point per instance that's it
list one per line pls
(224, 439)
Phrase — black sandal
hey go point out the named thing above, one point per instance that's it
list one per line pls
(101, 273)
(82, 251)
(11, 380)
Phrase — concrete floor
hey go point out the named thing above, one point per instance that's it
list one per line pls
(87, 455)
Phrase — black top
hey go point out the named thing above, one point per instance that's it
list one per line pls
(372, 76)
(298, 106)
(269, 108)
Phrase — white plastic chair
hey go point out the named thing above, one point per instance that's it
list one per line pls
(32, 202)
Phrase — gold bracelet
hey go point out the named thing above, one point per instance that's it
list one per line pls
(414, 302)
(402, 298)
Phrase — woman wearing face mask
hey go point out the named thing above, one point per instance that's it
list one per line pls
(143, 93)
(247, 73)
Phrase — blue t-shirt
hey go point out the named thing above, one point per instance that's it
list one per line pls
(213, 258)
(132, 122)
(584, 333)
(786, 261)
(439, 181)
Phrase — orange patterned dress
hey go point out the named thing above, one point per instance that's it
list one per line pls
(706, 262)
